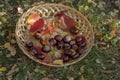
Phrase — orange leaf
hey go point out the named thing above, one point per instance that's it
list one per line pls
(48, 30)
(32, 18)
(113, 32)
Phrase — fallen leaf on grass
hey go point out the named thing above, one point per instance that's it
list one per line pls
(113, 33)
(13, 41)
(2, 13)
(6, 45)
(86, 8)
(3, 69)
(89, 1)
(12, 50)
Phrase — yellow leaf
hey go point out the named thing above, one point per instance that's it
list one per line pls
(113, 32)
(89, 1)
(6, 45)
(32, 18)
(86, 8)
(13, 41)
(12, 50)
(3, 69)
(58, 62)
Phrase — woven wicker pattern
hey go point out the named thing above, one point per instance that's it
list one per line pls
(48, 10)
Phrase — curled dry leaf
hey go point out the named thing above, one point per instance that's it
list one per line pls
(10, 48)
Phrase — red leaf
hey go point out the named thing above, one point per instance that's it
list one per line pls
(38, 48)
(37, 25)
(47, 59)
(48, 30)
(66, 22)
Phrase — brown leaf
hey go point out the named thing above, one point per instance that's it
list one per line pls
(113, 32)
(47, 59)
(12, 50)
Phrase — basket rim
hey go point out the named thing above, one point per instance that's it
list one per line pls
(66, 64)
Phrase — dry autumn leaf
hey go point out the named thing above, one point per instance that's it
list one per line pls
(58, 62)
(3, 69)
(6, 45)
(32, 18)
(113, 32)
(89, 1)
(12, 50)
(38, 25)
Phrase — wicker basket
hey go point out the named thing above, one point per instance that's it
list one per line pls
(47, 10)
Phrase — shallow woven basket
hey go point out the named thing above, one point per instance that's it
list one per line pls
(47, 10)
